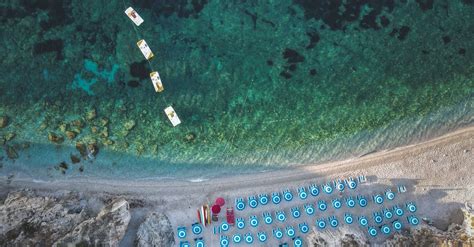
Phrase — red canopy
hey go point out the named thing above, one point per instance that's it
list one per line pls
(220, 201)
(215, 209)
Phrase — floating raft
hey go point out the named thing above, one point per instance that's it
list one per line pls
(172, 116)
(156, 80)
(145, 49)
(134, 16)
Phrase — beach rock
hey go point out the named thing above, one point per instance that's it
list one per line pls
(3, 121)
(53, 137)
(107, 229)
(30, 220)
(190, 137)
(9, 136)
(62, 127)
(70, 134)
(78, 123)
(11, 153)
(81, 147)
(75, 159)
(92, 150)
(129, 125)
(91, 114)
(104, 121)
(156, 230)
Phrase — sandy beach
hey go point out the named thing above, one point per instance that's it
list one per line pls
(437, 173)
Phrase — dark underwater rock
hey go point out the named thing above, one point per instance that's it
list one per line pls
(47, 46)
(4, 121)
(292, 56)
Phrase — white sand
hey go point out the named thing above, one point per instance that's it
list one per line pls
(439, 175)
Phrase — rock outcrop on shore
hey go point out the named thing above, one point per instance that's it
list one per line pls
(156, 230)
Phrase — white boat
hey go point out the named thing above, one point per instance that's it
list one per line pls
(156, 80)
(172, 116)
(134, 16)
(145, 49)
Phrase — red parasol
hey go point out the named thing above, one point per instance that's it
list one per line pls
(216, 209)
(220, 201)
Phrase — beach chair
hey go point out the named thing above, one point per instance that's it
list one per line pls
(239, 204)
(389, 195)
(248, 238)
(253, 203)
(363, 221)
(287, 195)
(184, 244)
(351, 183)
(336, 203)
(362, 179)
(402, 189)
(263, 198)
(276, 198)
(378, 199)
(398, 211)
(196, 228)
(262, 237)
(277, 233)
(314, 190)
(297, 242)
(411, 206)
(224, 241)
(327, 189)
(321, 223)
(253, 221)
(385, 229)
(339, 185)
(350, 202)
(224, 226)
(378, 217)
(372, 231)
(237, 238)
(348, 218)
(413, 220)
(387, 213)
(362, 201)
(295, 212)
(302, 193)
(304, 228)
(216, 230)
(333, 221)
(322, 205)
(280, 216)
(181, 232)
(309, 209)
(267, 218)
(230, 216)
(397, 225)
(290, 231)
(240, 223)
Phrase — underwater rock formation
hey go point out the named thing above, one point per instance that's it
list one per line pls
(156, 230)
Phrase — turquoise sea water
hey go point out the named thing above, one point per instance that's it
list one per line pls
(258, 85)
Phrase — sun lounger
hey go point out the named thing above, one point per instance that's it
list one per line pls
(277, 233)
(372, 231)
(398, 211)
(385, 229)
(239, 204)
(276, 199)
(322, 205)
(304, 228)
(253, 203)
(327, 189)
(267, 217)
(297, 242)
(397, 225)
(362, 200)
(351, 183)
(253, 220)
(172, 116)
(237, 238)
(262, 237)
(302, 193)
(389, 195)
(412, 219)
(181, 232)
(280, 216)
(387, 213)
(224, 226)
(196, 228)
(290, 231)
(350, 202)
(309, 209)
(224, 241)
(295, 212)
(333, 221)
(184, 244)
(145, 49)
(248, 238)
(402, 189)
(348, 218)
(314, 190)
(336, 203)
(363, 221)
(134, 16)
(156, 81)
(362, 179)
(287, 195)
(216, 230)
(378, 218)
(411, 207)
(321, 223)
(339, 185)
(240, 223)
(263, 198)
(378, 199)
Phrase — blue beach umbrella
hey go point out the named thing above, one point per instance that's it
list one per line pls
(267, 218)
(240, 223)
(309, 209)
(224, 226)
(237, 238)
(412, 219)
(378, 218)
(280, 216)
(321, 223)
(304, 228)
(302, 193)
(253, 221)
(389, 195)
(372, 231)
(239, 204)
(398, 211)
(322, 205)
(287, 195)
(224, 241)
(397, 225)
(385, 229)
(263, 198)
(199, 242)
(276, 199)
(411, 207)
(333, 221)
(248, 238)
(336, 203)
(387, 213)
(277, 233)
(181, 232)
(339, 185)
(253, 203)
(196, 228)
(363, 221)
(378, 199)
(184, 244)
(362, 201)
(350, 202)
(314, 190)
(297, 242)
(348, 218)
(327, 189)
(262, 236)
(351, 183)
(290, 231)
(295, 212)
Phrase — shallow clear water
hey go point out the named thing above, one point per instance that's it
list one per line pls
(258, 85)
